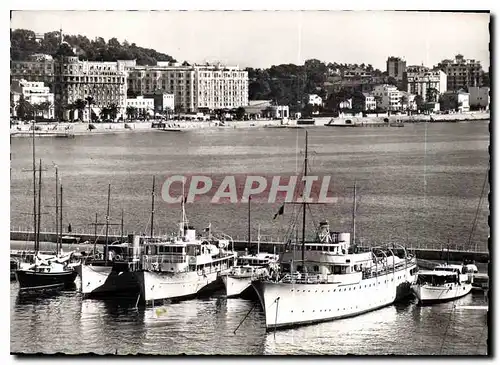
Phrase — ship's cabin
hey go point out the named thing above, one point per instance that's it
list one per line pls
(437, 278)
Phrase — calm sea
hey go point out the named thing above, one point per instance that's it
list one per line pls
(419, 185)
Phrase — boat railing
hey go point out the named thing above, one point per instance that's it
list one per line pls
(152, 260)
(303, 278)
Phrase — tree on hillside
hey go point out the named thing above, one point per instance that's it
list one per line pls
(24, 44)
(65, 50)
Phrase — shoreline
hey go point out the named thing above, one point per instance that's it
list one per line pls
(70, 130)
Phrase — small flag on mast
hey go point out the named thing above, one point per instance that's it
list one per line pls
(281, 211)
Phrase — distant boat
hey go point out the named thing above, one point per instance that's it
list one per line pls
(306, 121)
(171, 130)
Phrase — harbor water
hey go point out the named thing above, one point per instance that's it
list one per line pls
(419, 185)
(206, 326)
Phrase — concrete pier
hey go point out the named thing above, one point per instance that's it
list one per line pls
(240, 245)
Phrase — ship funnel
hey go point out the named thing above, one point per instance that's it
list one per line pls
(324, 231)
(135, 242)
(190, 234)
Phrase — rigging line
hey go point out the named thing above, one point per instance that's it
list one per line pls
(477, 210)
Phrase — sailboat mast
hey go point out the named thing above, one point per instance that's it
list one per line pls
(152, 208)
(95, 234)
(249, 238)
(39, 204)
(57, 212)
(107, 227)
(304, 213)
(354, 216)
(34, 190)
(121, 230)
(258, 241)
(61, 217)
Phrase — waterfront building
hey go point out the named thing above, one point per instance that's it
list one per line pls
(39, 67)
(479, 97)
(369, 102)
(462, 73)
(421, 79)
(455, 100)
(258, 109)
(163, 102)
(408, 101)
(142, 105)
(36, 94)
(396, 67)
(76, 80)
(388, 97)
(355, 72)
(314, 99)
(346, 104)
(196, 87)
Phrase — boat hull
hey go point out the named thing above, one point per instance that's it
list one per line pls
(236, 286)
(32, 280)
(293, 304)
(163, 285)
(103, 280)
(427, 294)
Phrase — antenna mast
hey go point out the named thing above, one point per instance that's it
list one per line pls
(304, 214)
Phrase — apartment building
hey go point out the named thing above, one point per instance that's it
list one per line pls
(421, 79)
(479, 97)
(35, 93)
(142, 105)
(462, 73)
(105, 82)
(194, 88)
(388, 97)
(38, 68)
(396, 67)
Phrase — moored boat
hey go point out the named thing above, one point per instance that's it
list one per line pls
(250, 267)
(331, 278)
(446, 282)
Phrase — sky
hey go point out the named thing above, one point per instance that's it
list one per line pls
(264, 38)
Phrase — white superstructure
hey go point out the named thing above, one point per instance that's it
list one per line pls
(445, 282)
(249, 268)
(334, 281)
(182, 265)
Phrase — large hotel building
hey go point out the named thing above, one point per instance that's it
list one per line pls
(195, 88)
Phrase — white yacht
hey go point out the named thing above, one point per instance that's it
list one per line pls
(101, 278)
(445, 282)
(249, 267)
(183, 265)
(334, 282)
(329, 278)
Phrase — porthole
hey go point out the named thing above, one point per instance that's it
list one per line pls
(303, 291)
(291, 290)
(308, 291)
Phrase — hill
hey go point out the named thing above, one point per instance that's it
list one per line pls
(24, 43)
